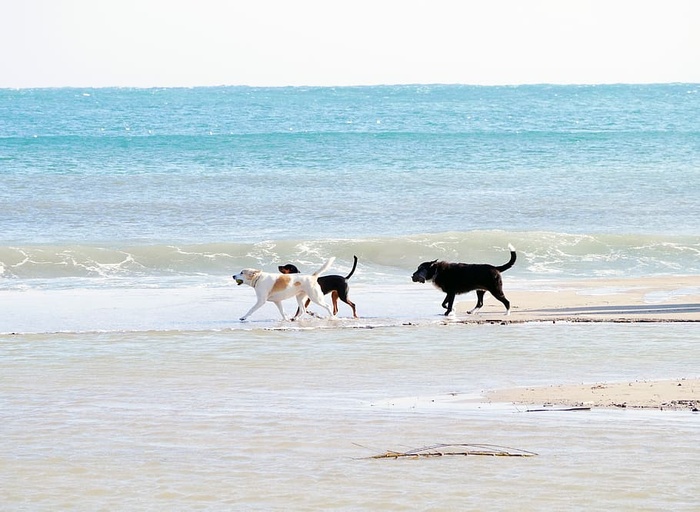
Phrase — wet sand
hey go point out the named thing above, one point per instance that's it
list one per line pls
(667, 299)
(657, 299)
(675, 394)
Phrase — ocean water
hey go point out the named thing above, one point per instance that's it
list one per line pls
(127, 381)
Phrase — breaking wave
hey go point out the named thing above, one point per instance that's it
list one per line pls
(540, 254)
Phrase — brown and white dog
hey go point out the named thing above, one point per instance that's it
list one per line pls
(278, 287)
(456, 278)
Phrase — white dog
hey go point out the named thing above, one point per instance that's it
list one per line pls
(278, 287)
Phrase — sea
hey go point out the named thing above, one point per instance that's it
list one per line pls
(128, 382)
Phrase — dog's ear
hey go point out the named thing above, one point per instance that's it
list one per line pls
(433, 268)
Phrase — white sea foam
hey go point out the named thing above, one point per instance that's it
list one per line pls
(539, 254)
(205, 308)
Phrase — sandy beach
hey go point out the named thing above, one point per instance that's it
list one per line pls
(667, 299)
(654, 299)
(676, 394)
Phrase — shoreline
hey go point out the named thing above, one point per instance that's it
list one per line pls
(670, 394)
(630, 300)
(668, 299)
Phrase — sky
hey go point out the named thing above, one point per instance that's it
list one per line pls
(185, 43)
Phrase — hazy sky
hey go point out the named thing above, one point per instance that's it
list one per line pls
(144, 43)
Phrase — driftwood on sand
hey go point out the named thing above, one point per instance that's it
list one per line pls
(441, 450)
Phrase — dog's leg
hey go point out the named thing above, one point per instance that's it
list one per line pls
(325, 306)
(334, 299)
(308, 302)
(301, 308)
(298, 313)
(479, 301)
(343, 295)
(448, 302)
(316, 295)
(255, 307)
(499, 295)
(352, 305)
(279, 306)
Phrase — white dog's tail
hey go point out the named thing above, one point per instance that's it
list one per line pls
(324, 267)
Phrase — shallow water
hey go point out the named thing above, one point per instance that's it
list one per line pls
(274, 420)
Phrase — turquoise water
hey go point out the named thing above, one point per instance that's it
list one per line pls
(163, 183)
(239, 164)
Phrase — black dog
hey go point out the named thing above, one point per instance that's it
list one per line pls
(456, 278)
(336, 285)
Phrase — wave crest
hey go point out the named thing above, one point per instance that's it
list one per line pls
(539, 254)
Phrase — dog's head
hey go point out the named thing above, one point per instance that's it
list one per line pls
(288, 269)
(425, 272)
(247, 275)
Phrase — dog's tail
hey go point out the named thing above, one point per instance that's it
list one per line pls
(354, 265)
(324, 267)
(505, 267)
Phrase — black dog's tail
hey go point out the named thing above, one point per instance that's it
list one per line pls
(505, 267)
(353, 269)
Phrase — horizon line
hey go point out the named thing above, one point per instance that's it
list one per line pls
(328, 86)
